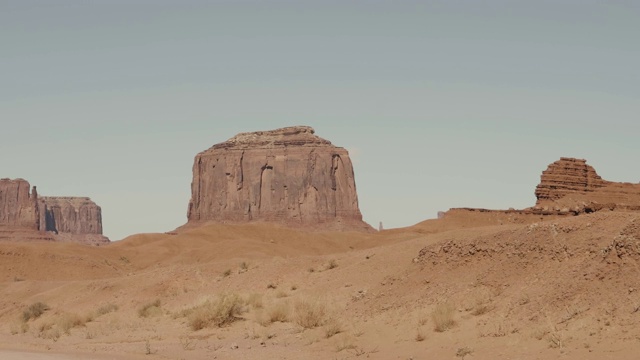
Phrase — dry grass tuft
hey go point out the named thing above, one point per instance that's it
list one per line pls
(442, 317)
(19, 327)
(420, 335)
(310, 314)
(150, 309)
(255, 300)
(332, 264)
(332, 328)
(278, 312)
(34, 311)
(463, 351)
(67, 321)
(105, 309)
(224, 310)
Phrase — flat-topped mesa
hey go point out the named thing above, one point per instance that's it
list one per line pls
(73, 215)
(25, 216)
(18, 204)
(288, 136)
(572, 186)
(288, 176)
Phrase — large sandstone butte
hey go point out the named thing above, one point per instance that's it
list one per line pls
(571, 185)
(72, 219)
(288, 176)
(26, 216)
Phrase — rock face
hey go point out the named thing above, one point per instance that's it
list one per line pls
(26, 216)
(571, 185)
(74, 215)
(72, 219)
(289, 176)
(18, 204)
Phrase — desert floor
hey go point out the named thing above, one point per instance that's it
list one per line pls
(465, 287)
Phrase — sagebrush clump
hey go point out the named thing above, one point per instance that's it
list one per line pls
(222, 311)
(34, 311)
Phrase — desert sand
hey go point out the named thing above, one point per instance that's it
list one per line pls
(463, 285)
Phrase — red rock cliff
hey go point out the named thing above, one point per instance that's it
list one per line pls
(572, 185)
(18, 204)
(26, 216)
(289, 176)
(74, 215)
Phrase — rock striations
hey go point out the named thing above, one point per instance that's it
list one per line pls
(26, 216)
(72, 218)
(288, 176)
(18, 204)
(571, 185)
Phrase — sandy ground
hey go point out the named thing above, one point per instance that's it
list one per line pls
(472, 288)
(18, 355)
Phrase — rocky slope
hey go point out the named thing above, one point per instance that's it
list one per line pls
(288, 176)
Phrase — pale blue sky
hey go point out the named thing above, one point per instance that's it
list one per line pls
(441, 103)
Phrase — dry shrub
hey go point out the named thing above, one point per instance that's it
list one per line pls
(150, 309)
(332, 328)
(463, 351)
(34, 311)
(67, 321)
(105, 309)
(481, 307)
(442, 316)
(277, 312)
(481, 303)
(19, 327)
(224, 310)
(255, 301)
(310, 314)
(332, 264)
(419, 335)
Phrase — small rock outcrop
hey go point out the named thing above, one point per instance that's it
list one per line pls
(26, 216)
(288, 176)
(570, 185)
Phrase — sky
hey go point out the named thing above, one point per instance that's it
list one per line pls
(441, 104)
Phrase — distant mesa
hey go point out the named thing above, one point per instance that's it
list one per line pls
(568, 186)
(572, 186)
(288, 176)
(24, 215)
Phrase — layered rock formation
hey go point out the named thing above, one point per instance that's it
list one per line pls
(289, 176)
(572, 186)
(76, 216)
(18, 204)
(26, 216)
(568, 186)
